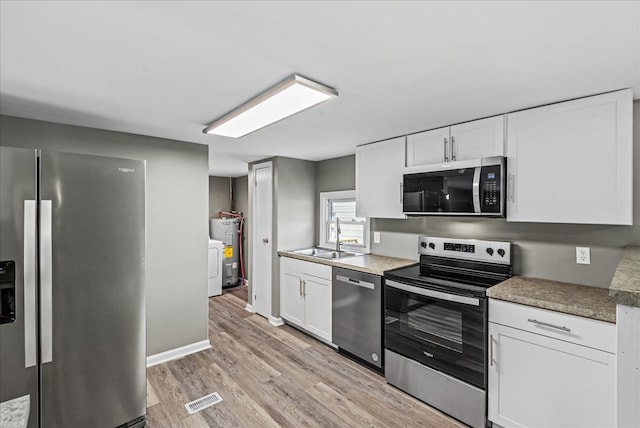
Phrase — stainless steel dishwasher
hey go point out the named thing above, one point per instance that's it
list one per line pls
(357, 316)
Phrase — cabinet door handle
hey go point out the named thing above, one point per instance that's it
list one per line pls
(453, 149)
(491, 350)
(568, 330)
(446, 158)
(300, 287)
(401, 194)
(304, 288)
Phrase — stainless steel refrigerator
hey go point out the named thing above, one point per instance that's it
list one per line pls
(72, 289)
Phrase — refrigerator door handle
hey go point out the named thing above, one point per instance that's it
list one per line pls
(46, 280)
(29, 265)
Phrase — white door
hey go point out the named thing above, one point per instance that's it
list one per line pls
(538, 381)
(317, 295)
(429, 147)
(291, 297)
(572, 162)
(379, 169)
(262, 238)
(478, 139)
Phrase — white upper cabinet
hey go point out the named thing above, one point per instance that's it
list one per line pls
(428, 147)
(379, 169)
(571, 162)
(471, 140)
(478, 139)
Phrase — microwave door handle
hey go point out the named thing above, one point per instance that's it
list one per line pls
(426, 292)
(476, 190)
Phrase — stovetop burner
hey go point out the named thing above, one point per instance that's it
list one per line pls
(460, 266)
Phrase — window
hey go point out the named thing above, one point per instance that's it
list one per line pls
(354, 231)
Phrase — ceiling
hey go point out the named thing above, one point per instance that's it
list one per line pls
(167, 69)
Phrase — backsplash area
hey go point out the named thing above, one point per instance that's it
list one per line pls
(544, 251)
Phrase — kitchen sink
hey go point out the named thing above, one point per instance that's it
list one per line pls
(316, 252)
(324, 253)
(336, 255)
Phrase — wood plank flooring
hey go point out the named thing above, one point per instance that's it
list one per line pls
(275, 377)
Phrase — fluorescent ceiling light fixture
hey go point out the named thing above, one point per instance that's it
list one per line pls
(287, 98)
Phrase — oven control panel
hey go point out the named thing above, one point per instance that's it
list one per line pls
(468, 249)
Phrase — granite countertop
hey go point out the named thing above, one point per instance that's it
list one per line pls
(368, 263)
(625, 285)
(573, 299)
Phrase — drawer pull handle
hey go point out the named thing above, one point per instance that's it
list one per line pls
(568, 330)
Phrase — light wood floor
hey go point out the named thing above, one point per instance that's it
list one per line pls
(271, 377)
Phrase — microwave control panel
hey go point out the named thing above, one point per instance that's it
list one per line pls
(491, 189)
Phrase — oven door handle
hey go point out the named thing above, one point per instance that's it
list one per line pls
(471, 301)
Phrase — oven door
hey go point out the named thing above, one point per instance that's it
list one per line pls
(444, 331)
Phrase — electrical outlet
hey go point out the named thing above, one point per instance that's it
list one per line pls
(376, 237)
(583, 255)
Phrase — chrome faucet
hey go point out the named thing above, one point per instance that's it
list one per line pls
(338, 234)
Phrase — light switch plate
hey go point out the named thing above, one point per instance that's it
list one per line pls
(583, 255)
(376, 237)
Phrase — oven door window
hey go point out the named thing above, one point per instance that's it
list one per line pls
(444, 335)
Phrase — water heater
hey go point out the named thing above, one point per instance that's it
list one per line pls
(226, 230)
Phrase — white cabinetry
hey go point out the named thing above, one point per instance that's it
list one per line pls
(548, 369)
(379, 169)
(470, 140)
(305, 296)
(571, 162)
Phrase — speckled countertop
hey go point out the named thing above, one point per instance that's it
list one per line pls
(573, 299)
(625, 285)
(368, 263)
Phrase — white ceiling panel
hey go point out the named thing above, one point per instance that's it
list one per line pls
(167, 69)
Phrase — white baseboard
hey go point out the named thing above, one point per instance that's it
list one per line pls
(174, 354)
(276, 321)
(249, 308)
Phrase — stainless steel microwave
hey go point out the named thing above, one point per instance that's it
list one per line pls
(473, 188)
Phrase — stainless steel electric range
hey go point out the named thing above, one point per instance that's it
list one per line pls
(436, 324)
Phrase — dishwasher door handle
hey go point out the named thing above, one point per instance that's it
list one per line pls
(359, 283)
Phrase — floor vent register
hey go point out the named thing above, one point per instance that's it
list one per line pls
(202, 403)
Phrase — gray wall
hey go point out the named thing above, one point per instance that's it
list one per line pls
(540, 250)
(219, 197)
(176, 198)
(336, 174)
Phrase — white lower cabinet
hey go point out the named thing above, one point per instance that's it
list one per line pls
(559, 379)
(305, 296)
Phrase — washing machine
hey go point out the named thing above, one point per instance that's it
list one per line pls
(216, 256)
